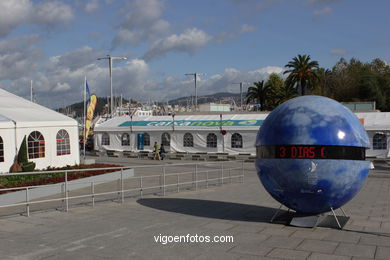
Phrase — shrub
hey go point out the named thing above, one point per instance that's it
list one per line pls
(22, 154)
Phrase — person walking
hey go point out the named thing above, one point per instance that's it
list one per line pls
(162, 152)
(156, 151)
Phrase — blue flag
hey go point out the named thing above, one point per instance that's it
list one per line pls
(88, 94)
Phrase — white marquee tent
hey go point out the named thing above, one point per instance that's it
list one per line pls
(189, 133)
(202, 133)
(52, 138)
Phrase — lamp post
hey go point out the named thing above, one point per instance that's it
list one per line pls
(241, 84)
(110, 59)
(196, 93)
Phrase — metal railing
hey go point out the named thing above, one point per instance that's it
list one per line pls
(170, 178)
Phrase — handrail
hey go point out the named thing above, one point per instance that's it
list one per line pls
(195, 174)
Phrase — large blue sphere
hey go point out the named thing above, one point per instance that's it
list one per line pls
(312, 186)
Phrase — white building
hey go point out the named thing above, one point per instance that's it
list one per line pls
(52, 138)
(214, 107)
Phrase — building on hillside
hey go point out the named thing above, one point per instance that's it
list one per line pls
(52, 138)
(214, 107)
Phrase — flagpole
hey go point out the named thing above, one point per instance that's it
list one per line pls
(85, 100)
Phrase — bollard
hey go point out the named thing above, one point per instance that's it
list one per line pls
(93, 194)
(66, 192)
(27, 203)
(123, 194)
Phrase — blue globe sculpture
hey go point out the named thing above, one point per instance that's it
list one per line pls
(311, 154)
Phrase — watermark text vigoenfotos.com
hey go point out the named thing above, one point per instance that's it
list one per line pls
(165, 239)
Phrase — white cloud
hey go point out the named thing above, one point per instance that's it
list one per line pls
(18, 57)
(189, 41)
(324, 11)
(12, 14)
(140, 21)
(245, 28)
(61, 87)
(338, 52)
(18, 12)
(321, 2)
(51, 13)
(77, 58)
(91, 6)
(171, 87)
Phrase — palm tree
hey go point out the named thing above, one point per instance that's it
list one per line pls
(286, 93)
(302, 73)
(324, 86)
(258, 93)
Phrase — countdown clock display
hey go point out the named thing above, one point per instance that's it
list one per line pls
(311, 154)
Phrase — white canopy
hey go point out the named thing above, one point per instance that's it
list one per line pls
(20, 117)
(375, 121)
(184, 122)
(29, 114)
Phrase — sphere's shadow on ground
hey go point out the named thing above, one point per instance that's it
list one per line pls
(229, 211)
(212, 209)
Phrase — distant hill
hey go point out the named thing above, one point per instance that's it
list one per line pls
(77, 108)
(223, 97)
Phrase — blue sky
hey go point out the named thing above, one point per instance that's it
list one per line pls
(56, 43)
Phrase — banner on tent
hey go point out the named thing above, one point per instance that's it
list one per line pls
(194, 123)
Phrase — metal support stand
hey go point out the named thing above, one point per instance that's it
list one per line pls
(335, 217)
(309, 221)
(276, 213)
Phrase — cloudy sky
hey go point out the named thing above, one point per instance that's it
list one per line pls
(57, 43)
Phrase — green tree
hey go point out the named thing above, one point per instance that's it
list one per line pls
(275, 84)
(287, 92)
(324, 85)
(22, 154)
(258, 93)
(301, 73)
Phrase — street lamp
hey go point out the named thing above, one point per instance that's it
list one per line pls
(241, 83)
(110, 58)
(196, 93)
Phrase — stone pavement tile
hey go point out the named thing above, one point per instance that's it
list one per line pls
(320, 256)
(359, 217)
(317, 233)
(318, 246)
(385, 225)
(377, 230)
(288, 254)
(350, 226)
(381, 219)
(217, 225)
(342, 236)
(383, 252)
(250, 238)
(277, 230)
(282, 242)
(216, 255)
(375, 240)
(361, 258)
(367, 223)
(355, 250)
(246, 228)
(251, 257)
(245, 249)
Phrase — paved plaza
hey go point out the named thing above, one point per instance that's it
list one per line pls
(241, 211)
